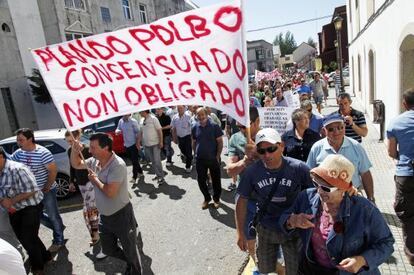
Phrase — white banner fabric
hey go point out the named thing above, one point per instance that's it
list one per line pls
(192, 58)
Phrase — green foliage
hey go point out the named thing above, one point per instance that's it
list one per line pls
(286, 43)
(38, 86)
(311, 42)
(333, 65)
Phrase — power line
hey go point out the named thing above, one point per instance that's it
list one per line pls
(290, 24)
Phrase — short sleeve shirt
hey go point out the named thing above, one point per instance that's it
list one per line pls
(236, 146)
(359, 120)
(292, 177)
(130, 131)
(316, 123)
(36, 160)
(402, 129)
(182, 125)
(149, 131)
(350, 149)
(304, 89)
(317, 87)
(115, 171)
(15, 179)
(206, 140)
(165, 121)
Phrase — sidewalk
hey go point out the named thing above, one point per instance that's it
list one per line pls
(383, 173)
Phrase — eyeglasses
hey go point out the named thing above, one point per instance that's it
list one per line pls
(339, 128)
(270, 149)
(320, 183)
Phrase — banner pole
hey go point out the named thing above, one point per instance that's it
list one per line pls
(245, 82)
(244, 49)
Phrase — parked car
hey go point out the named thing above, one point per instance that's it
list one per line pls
(345, 76)
(54, 140)
(109, 126)
(331, 79)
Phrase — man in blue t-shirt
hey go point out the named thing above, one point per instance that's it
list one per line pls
(207, 144)
(304, 90)
(400, 136)
(291, 176)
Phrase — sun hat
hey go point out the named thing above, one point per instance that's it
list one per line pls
(336, 170)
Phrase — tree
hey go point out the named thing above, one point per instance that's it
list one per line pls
(287, 43)
(38, 86)
(333, 66)
(311, 42)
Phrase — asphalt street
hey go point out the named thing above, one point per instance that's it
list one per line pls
(177, 237)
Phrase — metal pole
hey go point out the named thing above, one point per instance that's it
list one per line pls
(338, 37)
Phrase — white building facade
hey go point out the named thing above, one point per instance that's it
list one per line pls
(304, 57)
(381, 52)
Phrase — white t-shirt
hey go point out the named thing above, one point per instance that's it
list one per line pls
(11, 262)
(149, 131)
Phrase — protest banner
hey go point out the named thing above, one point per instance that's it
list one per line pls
(275, 117)
(192, 58)
(259, 76)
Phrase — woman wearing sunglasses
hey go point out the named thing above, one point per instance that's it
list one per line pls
(341, 234)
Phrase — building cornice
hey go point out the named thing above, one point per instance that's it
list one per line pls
(383, 7)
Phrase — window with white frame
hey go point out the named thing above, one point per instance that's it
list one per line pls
(75, 4)
(126, 9)
(71, 35)
(105, 14)
(143, 13)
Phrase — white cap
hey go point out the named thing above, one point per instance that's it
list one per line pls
(268, 134)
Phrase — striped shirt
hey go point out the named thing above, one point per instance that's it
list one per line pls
(15, 179)
(359, 120)
(337, 78)
(36, 160)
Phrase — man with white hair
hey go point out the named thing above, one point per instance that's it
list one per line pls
(337, 143)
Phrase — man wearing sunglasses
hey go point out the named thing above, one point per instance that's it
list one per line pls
(336, 142)
(285, 178)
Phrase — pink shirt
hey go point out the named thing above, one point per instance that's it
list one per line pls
(320, 234)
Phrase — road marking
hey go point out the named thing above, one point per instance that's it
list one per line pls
(70, 206)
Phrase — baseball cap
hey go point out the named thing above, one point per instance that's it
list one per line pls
(331, 119)
(268, 134)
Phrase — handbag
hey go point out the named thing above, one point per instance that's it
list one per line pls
(262, 210)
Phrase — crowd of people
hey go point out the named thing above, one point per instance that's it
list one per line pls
(304, 199)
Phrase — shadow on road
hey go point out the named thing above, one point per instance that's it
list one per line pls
(227, 218)
(153, 189)
(60, 264)
(228, 196)
(145, 259)
(112, 265)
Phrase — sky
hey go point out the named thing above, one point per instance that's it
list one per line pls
(266, 13)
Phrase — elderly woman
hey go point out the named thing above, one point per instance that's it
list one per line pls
(268, 102)
(340, 234)
(300, 139)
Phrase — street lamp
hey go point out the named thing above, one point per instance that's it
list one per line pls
(338, 27)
